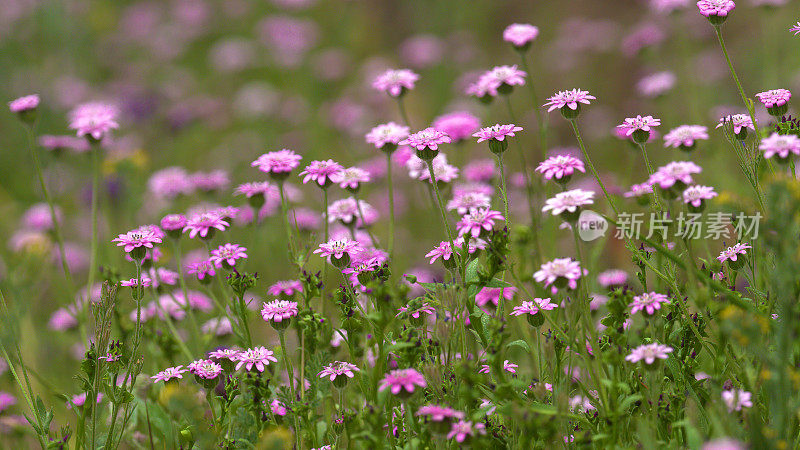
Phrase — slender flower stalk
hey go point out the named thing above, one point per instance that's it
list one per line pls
(390, 187)
(574, 123)
(440, 205)
(96, 156)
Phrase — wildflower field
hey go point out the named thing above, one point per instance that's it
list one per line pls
(418, 224)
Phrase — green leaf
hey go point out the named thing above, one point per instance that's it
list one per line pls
(472, 271)
(495, 283)
(519, 343)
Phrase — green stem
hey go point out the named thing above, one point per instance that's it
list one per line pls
(95, 150)
(574, 124)
(440, 204)
(650, 171)
(503, 188)
(391, 201)
(402, 107)
(288, 363)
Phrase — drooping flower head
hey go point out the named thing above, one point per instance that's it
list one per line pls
(560, 272)
(696, 195)
(568, 203)
(458, 125)
(569, 102)
(496, 135)
(739, 122)
(204, 225)
(426, 142)
(402, 382)
(227, 255)
(170, 373)
(387, 136)
(395, 82)
(321, 172)
(685, 137)
(93, 119)
(639, 127)
(560, 167)
(338, 372)
(649, 353)
(520, 35)
(478, 221)
(781, 145)
(278, 164)
(137, 241)
(776, 101)
(716, 11)
(279, 312)
(649, 302)
(258, 357)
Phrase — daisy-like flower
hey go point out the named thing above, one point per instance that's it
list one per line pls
(395, 82)
(649, 353)
(321, 172)
(170, 373)
(258, 357)
(173, 224)
(462, 431)
(639, 190)
(739, 122)
(93, 119)
(254, 189)
(668, 6)
(775, 101)
(560, 272)
(507, 366)
(520, 35)
(569, 202)
(696, 195)
(338, 372)
(685, 136)
(351, 178)
(202, 270)
(278, 164)
(560, 167)
(639, 127)
(580, 404)
(716, 11)
(204, 225)
(402, 382)
(612, 278)
(24, 104)
(675, 173)
(279, 312)
(478, 221)
(648, 302)
(426, 142)
(225, 354)
(470, 200)
(134, 282)
(737, 399)
(458, 125)
(285, 288)
(795, 29)
(227, 255)
(348, 211)
(205, 369)
(137, 241)
(656, 84)
(732, 255)
(780, 145)
(533, 307)
(339, 250)
(569, 102)
(502, 79)
(416, 312)
(496, 135)
(444, 251)
(387, 136)
(491, 296)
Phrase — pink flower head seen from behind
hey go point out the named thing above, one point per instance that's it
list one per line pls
(458, 125)
(428, 138)
(715, 7)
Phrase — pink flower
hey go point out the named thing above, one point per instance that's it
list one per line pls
(580, 404)
(351, 178)
(480, 170)
(462, 431)
(205, 369)
(253, 189)
(338, 368)
(649, 302)
(279, 162)
(497, 132)
(22, 104)
(649, 353)
(137, 239)
(321, 172)
(732, 253)
(227, 254)
(465, 202)
(724, 444)
(774, 97)
(569, 99)
(133, 282)
(520, 35)
(424, 308)
(738, 121)
(656, 84)
(93, 119)
(533, 307)
(278, 310)
(288, 288)
(560, 167)
(560, 271)
(442, 250)
(58, 143)
(215, 180)
(170, 373)
(258, 357)
(225, 353)
(458, 125)
(478, 221)
(402, 380)
(277, 407)
(348, 210)
(685, 136)
(643, 123)
(428, 138)
(780, 145)
(337, 248)
(204, 223)
(638, 190)
(667, 6)
(505, 76)
(219, 326)
(795, 28)
(694, 195)
(674, 172)
(720, 8)
(613, 277)
(172, 222)
(202, 269)
(492, 295)
(388, 133)
(395, 82)
(737, 399)
(568, 201)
